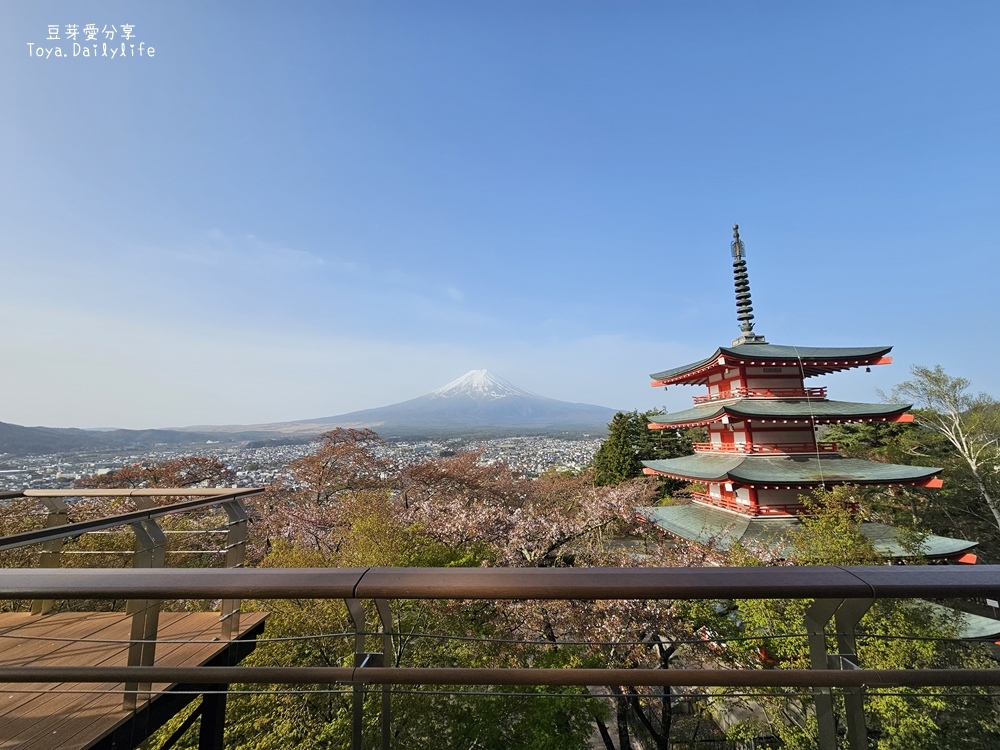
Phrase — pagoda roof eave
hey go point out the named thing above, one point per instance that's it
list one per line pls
(719, 529)
(813, 360)
(799, 471)
(697, 467)
(779, 410)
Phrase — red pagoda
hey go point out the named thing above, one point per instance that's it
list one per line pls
(763, 450)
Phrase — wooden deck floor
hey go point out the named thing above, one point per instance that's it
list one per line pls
(53, 718)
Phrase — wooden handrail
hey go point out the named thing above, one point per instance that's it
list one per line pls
(820, 582)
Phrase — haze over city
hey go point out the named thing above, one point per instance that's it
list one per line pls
(297, 211)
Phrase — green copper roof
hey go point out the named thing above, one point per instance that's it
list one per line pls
(815, 359)
(720, 529)
(699, 466)
(972, 627)
(802, 469)
(708, 527)
(751, 408)
(885, 539)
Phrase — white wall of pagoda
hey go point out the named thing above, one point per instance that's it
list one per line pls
(772, 378)
(785, 434)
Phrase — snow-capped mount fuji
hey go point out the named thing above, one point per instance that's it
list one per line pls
(481, 384)
(476, 403)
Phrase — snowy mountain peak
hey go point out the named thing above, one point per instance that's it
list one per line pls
(481, 385)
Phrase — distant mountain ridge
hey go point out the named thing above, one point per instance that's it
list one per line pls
(477, 404)
(17, 440)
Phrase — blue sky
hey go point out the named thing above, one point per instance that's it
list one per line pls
(298, 210)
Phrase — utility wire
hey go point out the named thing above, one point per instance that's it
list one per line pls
(508, 641)
(869, 692)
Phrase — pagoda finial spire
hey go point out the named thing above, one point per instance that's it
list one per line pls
(744, 305)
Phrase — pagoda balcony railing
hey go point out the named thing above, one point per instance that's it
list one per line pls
(809, 393)
(748, 509)
(755, 448)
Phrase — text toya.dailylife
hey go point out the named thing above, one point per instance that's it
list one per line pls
(111, 51)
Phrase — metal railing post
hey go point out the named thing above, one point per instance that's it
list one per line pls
(236, 538)
(385, 616)
(817, 615)
(846, 617)
(58, 515)
(364, 658)
(357, 613)
(151, 549)
(846, 614)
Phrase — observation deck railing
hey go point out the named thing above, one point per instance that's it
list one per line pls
(807, 393)
(149, 553)
(840, 595)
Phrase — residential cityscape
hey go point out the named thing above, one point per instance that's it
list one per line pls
(259, 467)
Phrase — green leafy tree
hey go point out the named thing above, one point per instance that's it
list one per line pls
(617, 460)
(630, 442)
(969, 422)
(892, 442)
(968, 426)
